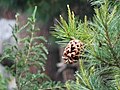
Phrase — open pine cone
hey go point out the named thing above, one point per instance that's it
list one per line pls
(73, 51)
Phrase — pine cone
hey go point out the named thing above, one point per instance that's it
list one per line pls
(73, 51)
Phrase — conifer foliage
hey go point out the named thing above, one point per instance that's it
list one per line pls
(94, 44)
(100, 67)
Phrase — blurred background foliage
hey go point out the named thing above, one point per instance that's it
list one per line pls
(46, 8)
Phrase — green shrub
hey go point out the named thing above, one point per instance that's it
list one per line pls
(32, 54)
(3, 83)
